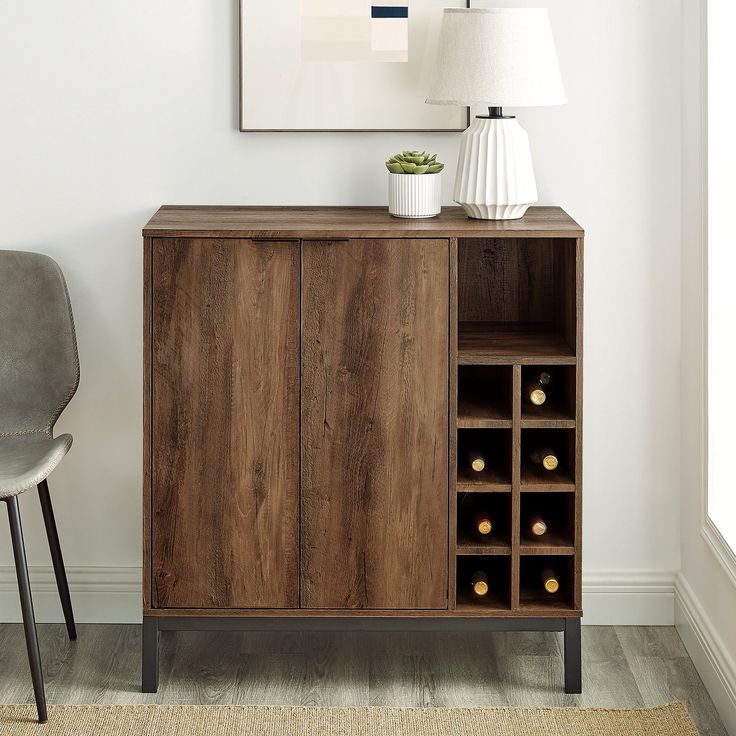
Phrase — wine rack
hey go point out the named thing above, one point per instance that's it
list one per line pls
(519, 408)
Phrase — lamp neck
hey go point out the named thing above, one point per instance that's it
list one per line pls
(495, 113)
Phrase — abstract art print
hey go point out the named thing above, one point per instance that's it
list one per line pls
(341, 65)
(353, 30)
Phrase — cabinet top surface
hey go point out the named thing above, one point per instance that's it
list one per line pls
(349, 222)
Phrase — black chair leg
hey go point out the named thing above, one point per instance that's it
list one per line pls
(57, 559)
(26, 604)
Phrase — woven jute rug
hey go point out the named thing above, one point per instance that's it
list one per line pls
(233, 720)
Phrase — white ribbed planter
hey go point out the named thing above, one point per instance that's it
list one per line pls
(495, 176)
(414, 195)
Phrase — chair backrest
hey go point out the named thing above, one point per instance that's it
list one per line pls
(39, 365)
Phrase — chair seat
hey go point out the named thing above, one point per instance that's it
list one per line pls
(27, 459)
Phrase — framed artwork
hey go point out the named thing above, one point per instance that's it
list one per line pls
(341, 65)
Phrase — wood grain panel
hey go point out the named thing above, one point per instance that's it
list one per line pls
(516, 488)
(461, 611)
(350, 222)
(374, 493)
(567, 290)
(503, 343)
(147, 409)
(452, 430)
(579, 300)
(225, 423)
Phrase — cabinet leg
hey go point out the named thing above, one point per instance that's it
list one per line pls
(149, 678)
(573, 664)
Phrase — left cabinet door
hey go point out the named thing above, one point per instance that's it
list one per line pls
(225, 424)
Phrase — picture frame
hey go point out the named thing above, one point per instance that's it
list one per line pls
(308, 66)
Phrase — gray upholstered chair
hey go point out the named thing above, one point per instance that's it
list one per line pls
(39, 373)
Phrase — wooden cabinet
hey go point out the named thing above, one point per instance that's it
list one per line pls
(315, 380)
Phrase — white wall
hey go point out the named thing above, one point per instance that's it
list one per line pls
(111, 109)
(706, 595)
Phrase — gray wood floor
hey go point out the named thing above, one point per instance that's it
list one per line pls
(622, 667)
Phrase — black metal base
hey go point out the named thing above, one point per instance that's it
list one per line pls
(573, 653)
(149, 673)
(153, 625)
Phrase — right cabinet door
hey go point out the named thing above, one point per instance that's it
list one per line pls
(374, 416)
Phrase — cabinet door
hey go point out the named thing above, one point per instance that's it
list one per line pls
(225, 424)
(374, 490)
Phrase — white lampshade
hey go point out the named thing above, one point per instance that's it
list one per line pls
(497, 57)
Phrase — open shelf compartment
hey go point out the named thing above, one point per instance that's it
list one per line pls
(532, 594)
(494, 506)
(485, 396)
(498, 570)
(558, 385)
(516, 300)
(494, 446)
(534, 477)
(558, 514)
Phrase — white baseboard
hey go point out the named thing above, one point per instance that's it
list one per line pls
(113, 595)
(103, 595)
(712, 659)
(629, 598)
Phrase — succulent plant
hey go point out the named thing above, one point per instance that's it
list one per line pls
(414, 162)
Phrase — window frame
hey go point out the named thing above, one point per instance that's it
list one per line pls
(709, 530)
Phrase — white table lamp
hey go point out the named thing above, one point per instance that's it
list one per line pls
(496, 57)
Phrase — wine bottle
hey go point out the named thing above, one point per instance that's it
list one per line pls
(480, 583)
(537, 526)
(535, 392)
(545, 457)
(550, 582)
(483, 524)
(476, 461)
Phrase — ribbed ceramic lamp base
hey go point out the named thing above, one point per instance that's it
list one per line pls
(495, 176)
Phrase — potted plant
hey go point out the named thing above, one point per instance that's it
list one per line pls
(414, 184)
